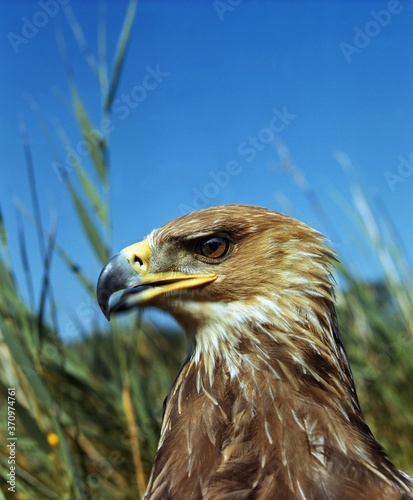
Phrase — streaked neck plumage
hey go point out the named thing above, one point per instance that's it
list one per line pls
(268, 410)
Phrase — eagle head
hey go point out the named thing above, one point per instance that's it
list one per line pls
(226, 273)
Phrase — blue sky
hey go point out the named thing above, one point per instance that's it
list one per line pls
(208, 88)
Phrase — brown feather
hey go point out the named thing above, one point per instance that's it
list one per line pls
(265, 406)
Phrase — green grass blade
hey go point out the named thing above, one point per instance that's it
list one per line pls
(45, 288)
(32, 185)
(28, 484)
(80, 38)
(102, 51)
(76, 269)
(25, 263)
(3, 233)
(8, 289)
(89, 227)
(98, 206)
(91, 193)
(95, 142)
(41, 401)
(25, 364)
(121, 52)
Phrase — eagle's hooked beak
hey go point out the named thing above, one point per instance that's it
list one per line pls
(130, 271)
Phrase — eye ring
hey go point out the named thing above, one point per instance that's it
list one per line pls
(213, 247)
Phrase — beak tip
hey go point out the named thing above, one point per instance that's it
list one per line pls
(103, 301)
(115, 276)
(104, 306)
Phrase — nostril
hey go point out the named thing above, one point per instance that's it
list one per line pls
(138, 260)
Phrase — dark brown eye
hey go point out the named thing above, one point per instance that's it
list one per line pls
(214, 247)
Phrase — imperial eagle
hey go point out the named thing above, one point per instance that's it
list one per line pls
(265, 405)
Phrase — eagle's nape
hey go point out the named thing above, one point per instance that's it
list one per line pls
(265, 406)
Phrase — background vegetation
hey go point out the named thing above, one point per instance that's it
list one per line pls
(89, 412)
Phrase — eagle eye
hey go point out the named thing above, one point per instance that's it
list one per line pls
(213, 247)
